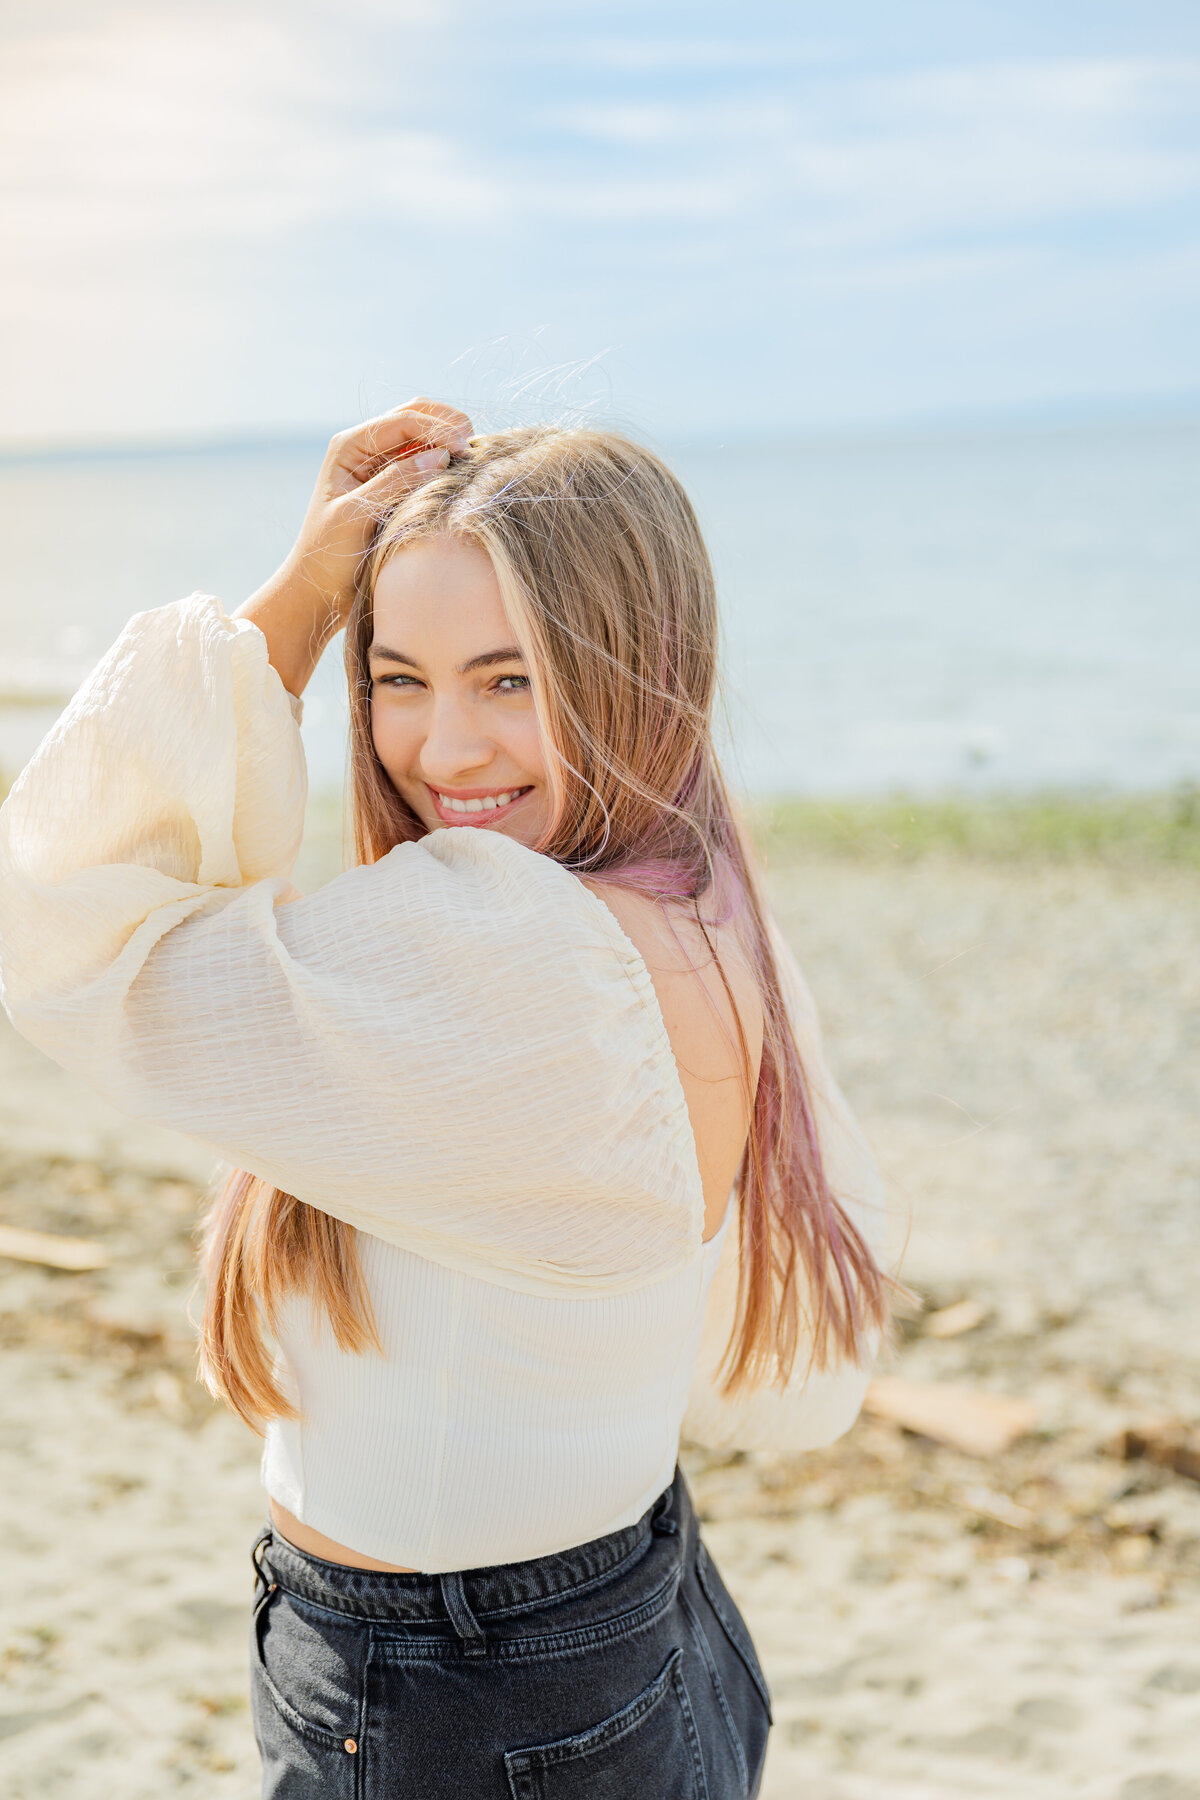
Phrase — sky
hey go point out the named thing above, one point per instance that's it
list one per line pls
(250, 216)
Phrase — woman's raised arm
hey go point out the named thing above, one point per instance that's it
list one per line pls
(455, 1048)
(365, 472)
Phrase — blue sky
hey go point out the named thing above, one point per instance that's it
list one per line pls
(256, 216)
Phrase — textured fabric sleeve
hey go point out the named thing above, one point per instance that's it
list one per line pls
(817, 1405)
(174, 775)
(455, 1049)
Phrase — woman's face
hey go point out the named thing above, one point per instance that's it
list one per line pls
(452, 712)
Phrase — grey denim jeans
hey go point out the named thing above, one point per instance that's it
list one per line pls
(619, 1670)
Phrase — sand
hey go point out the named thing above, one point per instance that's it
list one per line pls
(1021, 1043)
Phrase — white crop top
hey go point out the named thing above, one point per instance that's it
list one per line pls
(547, 1307)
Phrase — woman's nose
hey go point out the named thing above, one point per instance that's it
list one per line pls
(454, 744)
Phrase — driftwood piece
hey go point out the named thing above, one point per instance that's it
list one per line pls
(953, 1321)
(1174, 1447)
(52, 1251)
(967, 1419)
(988, 1504)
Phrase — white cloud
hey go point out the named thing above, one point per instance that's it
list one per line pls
(637, 200)
(160, 128)
(1066, 90)
(672, 56)
(191, 193)
(990, 148)
(868, 159)
(634, 125)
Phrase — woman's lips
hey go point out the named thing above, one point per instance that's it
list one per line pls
(476, 806)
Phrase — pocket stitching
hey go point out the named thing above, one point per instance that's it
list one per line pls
(320, 1734)
(595, 1737)
(728, 1627)
(521, 1764)
(731, 1730)
(699, 1778)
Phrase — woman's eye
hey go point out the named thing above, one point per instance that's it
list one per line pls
(513, 684)
(397, 681)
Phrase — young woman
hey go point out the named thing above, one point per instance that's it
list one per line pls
(533, 1145)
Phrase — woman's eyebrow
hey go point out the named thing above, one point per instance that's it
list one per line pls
(380, 653)
(510, 653)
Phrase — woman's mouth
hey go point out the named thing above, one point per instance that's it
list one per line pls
(475, 806)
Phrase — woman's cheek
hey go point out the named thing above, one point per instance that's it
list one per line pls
(525, 747)
(393, 744)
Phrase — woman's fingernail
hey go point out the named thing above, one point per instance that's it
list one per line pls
(431, 459)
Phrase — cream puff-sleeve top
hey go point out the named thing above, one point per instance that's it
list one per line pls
(455, 1050)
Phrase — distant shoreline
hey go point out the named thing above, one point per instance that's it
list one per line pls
(1104, 414)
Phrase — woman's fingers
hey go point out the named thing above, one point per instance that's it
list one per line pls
(361, 452)
(441, 410)
(400, 477)
(366, 471)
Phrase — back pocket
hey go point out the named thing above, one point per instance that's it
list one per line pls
(650, 1747)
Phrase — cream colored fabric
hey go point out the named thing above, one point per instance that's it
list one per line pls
(496, 1426)
(456, 1050)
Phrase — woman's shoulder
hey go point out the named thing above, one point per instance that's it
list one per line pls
(689, 957)
(533, 910)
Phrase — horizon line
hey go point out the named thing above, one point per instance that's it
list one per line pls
(1062, 413)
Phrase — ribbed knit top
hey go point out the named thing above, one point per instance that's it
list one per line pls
(456, 1050)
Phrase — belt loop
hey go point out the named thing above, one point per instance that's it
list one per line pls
(262, 1586)
(474, 1640)
(661, 1522)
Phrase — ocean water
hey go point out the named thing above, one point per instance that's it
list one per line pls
(919, 611)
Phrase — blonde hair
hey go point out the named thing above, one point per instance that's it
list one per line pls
(608, 587)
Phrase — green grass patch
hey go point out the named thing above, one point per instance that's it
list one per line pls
(1129, 829)
(1134, 829)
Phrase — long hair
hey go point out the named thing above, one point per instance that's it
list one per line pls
(608, 588)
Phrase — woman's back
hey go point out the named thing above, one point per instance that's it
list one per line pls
(712, 1010)
(503, 1425)
(519, 1046)
(534, 1148)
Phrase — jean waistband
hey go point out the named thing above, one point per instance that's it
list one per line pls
(496, 1593)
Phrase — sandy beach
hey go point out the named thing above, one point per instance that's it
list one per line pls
(1020, 1038)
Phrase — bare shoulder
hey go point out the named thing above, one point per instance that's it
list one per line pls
(711, 1005)
(686, 963)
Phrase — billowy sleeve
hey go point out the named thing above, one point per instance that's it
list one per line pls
(816, 1406)
(456, 1048)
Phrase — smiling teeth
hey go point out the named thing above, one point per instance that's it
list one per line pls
(491, 804)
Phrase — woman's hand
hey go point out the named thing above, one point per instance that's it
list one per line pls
(366, 471)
